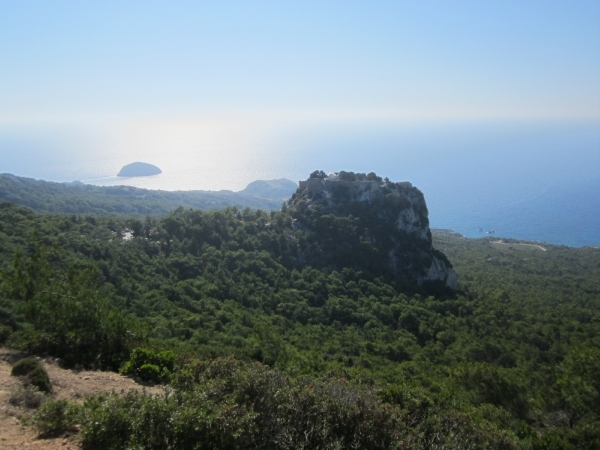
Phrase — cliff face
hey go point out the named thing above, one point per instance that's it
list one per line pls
(366, 223)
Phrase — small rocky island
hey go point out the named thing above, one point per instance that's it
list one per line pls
(139, 169)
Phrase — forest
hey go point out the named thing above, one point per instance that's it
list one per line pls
(80, 198)
(260, 350)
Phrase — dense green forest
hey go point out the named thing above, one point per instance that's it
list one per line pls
(264, 352)
(80, 198)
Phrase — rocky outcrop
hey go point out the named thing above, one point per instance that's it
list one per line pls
(367, 223)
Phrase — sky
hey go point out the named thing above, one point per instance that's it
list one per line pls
(77, 62)
(485, 105)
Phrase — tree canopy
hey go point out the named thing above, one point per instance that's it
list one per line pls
(512, 356)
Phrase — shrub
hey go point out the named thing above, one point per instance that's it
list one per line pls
(107, 421)
(150, 365)
(5, 332)
(25, 366)
(38, 377)
(35, 373)
(56, 416)
(229, 404)
(150, 372)
(29, 397)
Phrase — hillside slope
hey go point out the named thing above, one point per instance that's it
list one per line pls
(79, 198)
(511, 355)
(67, 384)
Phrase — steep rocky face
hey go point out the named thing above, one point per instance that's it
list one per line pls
(366, 223)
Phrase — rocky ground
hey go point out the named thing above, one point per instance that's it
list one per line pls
(71, 384)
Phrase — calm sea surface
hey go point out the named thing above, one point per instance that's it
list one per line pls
(535, 181)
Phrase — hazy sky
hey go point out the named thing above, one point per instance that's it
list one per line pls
(483, 104)
(68, 61)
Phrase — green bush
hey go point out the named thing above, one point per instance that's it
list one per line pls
(35, 373)
(25, 366)
(56, 416)
(150, 372)
(5, 332)
(29, 397)
(106, 421)
(150, 365)
(38, 377)
(229, 404)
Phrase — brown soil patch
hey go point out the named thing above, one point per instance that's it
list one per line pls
(70, 384)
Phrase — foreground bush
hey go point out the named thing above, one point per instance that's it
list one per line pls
(228, 404)
(29, 397)
(56, 417)
(150, 365)
(34, 372)
(24, 367)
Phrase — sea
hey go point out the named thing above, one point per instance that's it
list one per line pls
(530, 180)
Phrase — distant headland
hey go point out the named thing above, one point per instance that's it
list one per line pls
(139, 169)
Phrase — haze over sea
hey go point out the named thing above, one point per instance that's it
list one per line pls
(523, 179)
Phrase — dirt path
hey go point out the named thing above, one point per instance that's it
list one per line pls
(69, 384)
